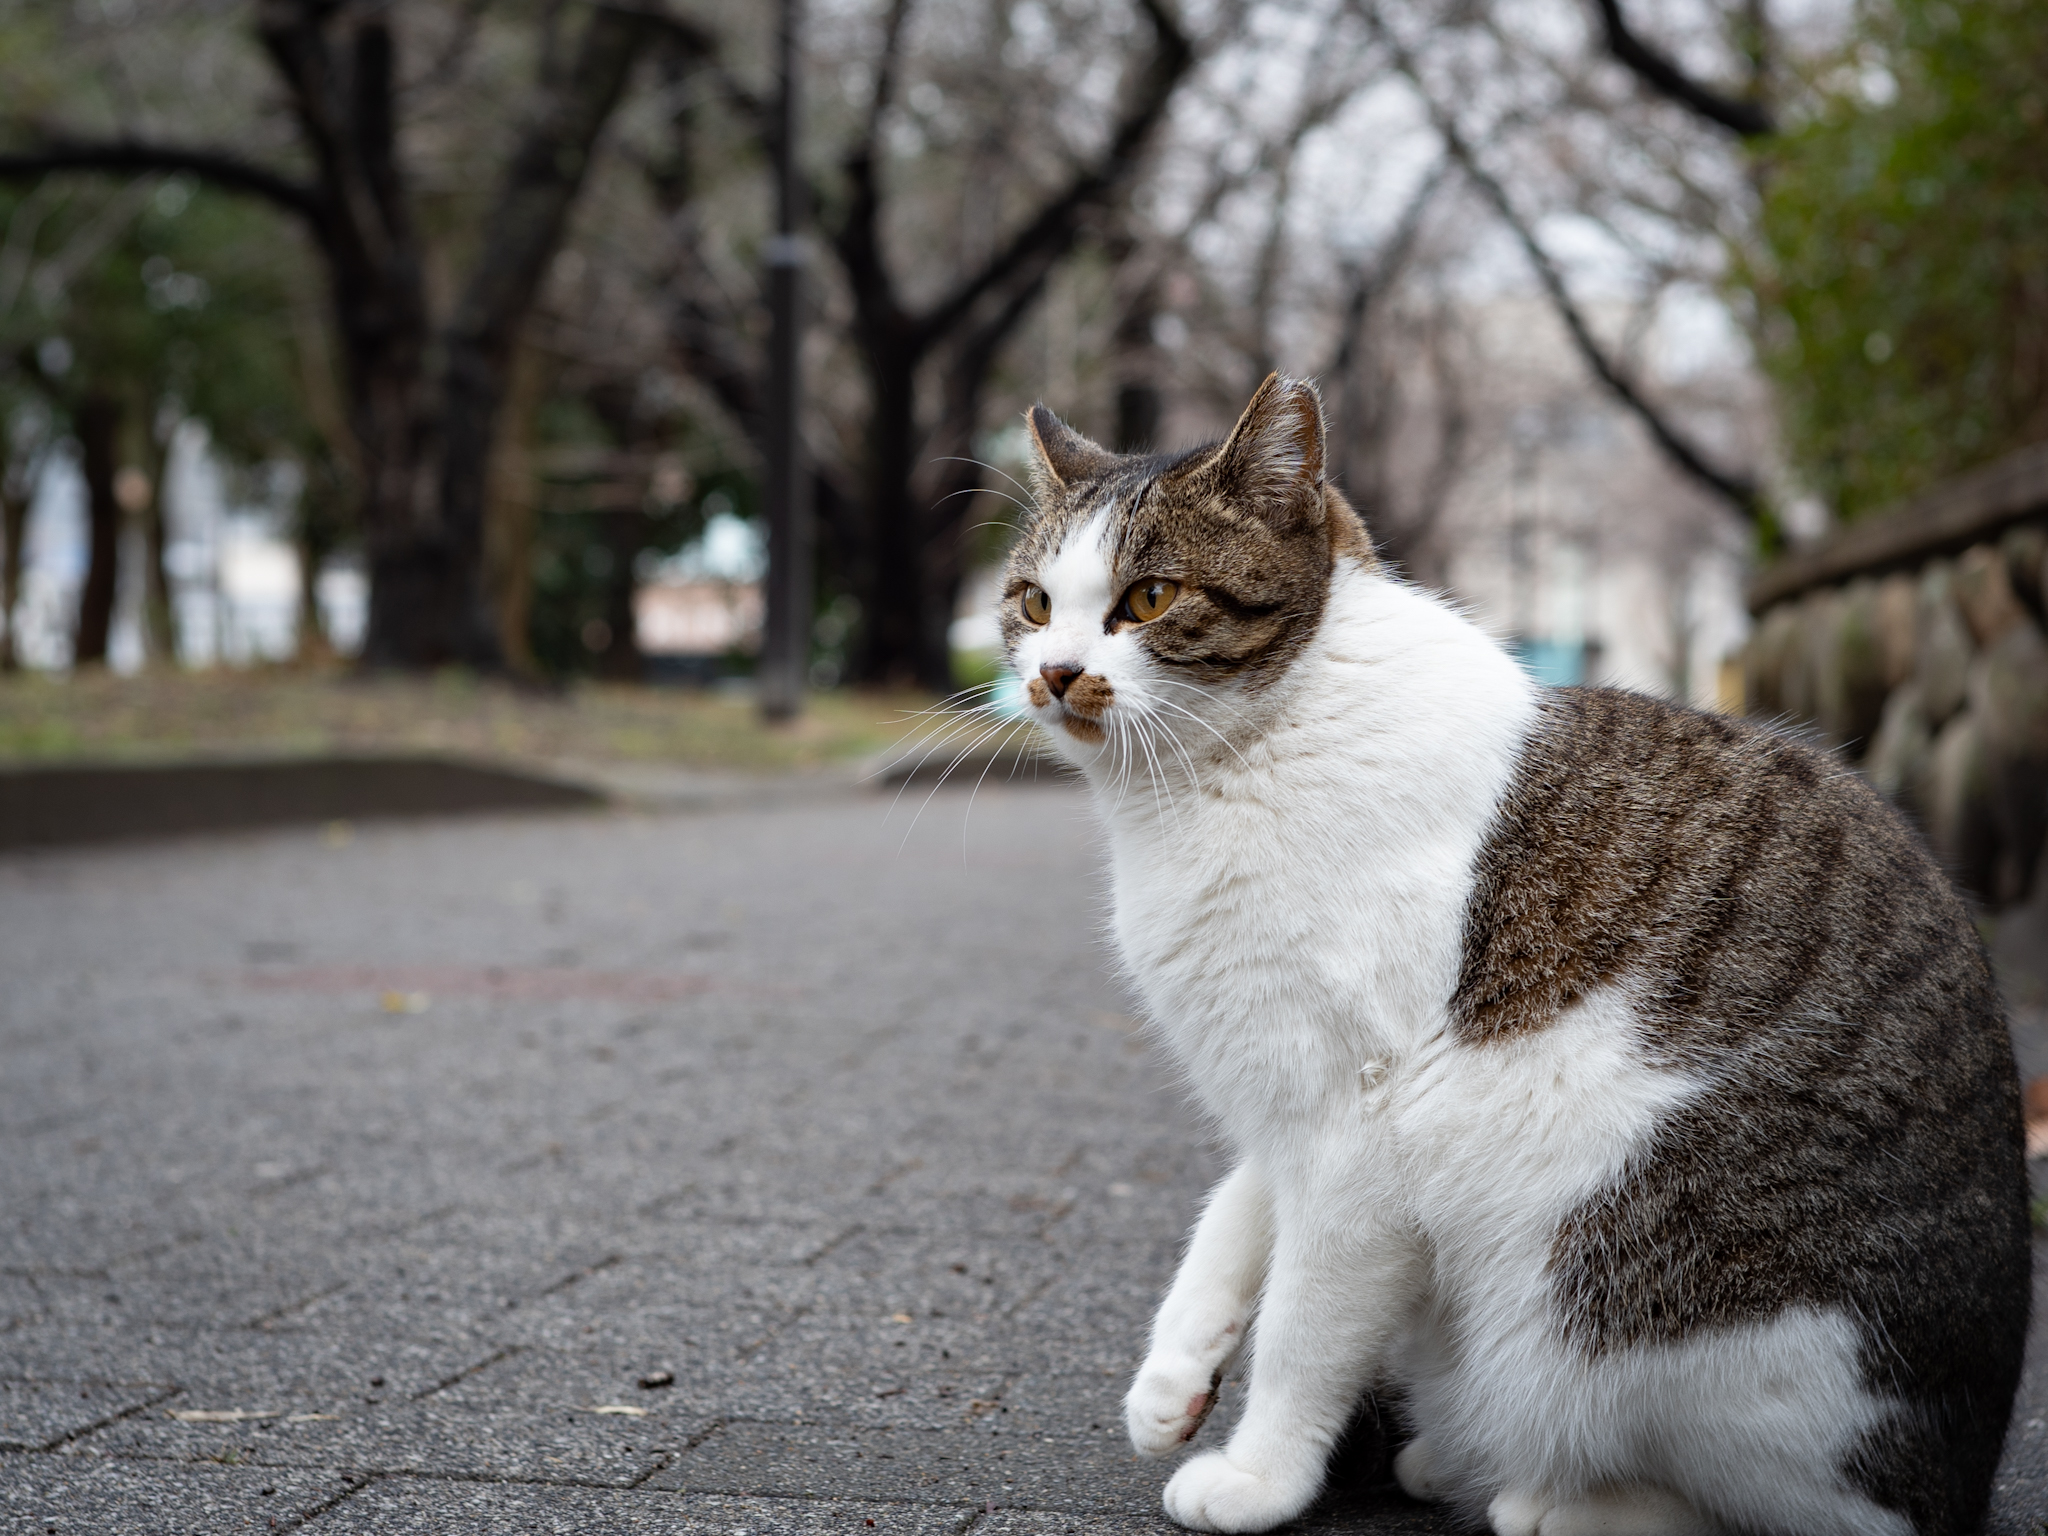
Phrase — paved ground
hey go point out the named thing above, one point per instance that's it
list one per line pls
(431, 1149)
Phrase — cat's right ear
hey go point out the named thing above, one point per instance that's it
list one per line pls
(1063, 457)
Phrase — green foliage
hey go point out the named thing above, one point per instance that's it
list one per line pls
(161, 293)
(1903, 285)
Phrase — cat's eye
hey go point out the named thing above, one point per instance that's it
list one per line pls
(1149, 599)
(1037, 605)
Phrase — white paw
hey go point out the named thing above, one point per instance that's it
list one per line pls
(1636, 1510)
(1168, 1402)
(1415, 1471)
(1213, 1493)
(1517, 1514)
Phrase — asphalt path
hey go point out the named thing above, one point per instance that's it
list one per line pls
(794, 1168)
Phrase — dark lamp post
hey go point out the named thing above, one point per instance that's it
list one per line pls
(786, 639)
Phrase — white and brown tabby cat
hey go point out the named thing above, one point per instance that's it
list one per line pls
(1624, 1085)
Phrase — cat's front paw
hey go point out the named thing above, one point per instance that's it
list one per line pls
(1213, 1493)
(1168, 1403)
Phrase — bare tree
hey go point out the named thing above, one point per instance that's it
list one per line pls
(1739, 489)
(422, 400)
(913, 501)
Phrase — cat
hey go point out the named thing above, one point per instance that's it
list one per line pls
(1621, 1085)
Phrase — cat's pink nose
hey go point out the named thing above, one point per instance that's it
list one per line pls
(1057, 677)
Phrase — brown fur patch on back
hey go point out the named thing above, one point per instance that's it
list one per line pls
(1787, 939)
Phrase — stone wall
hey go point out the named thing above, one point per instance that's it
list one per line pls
(1916, 643)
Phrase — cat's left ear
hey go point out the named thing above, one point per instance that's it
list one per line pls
(1062, 457)
(1273, 458)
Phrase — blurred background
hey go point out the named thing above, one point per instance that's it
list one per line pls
(447, 374)
(605, 420)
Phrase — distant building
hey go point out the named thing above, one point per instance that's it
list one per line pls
(697, 616)
(1570, 536)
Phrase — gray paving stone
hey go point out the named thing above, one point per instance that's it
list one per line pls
(424, 1507)
(43, 1415)
(73, 1496)
(997, 1457)
(846, 1131)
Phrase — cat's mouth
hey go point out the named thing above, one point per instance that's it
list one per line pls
(1082, 702)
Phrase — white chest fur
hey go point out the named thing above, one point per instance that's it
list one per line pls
(1294, 918)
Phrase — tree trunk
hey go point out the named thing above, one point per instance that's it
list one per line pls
(408, 555)
(520, 238)
(422, 446)
(374, 257)
(159, 621)
(911, 565)
(98, 420)
(509, 513)
(624, 531)
(16, 495)
(310, 644)
(891, 584)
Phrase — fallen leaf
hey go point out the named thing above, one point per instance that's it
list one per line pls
(624, 1408)
(899, 1317)
(222, 1415)
(405, 1002)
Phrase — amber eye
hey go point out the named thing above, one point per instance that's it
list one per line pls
(1149, 599)
(1037, 605)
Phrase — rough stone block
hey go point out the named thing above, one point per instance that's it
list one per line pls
(2009, 695)
(1959, 819)
(1896, 614)
(1901, 753)
(1942, 666)
(1764, 660)
(1983, 591)
(2026, 562)
(1800, 686)
(1848, 668)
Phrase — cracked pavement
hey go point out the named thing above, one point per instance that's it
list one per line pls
(785, 1169)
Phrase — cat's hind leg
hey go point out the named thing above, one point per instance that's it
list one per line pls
(1203, 1319)
(1638, 1510)
(1415, 1469)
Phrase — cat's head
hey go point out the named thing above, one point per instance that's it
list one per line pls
(1151, 587)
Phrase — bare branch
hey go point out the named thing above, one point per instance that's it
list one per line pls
(885, 77)
(858, 239)
(1738, 490)
(216, 167)
(1744, 117)
(1371, 278)
(1053, 227)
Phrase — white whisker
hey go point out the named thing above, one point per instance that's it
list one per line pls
(969, 812)
(1181, 709)
(961, 458)
(960, 757)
